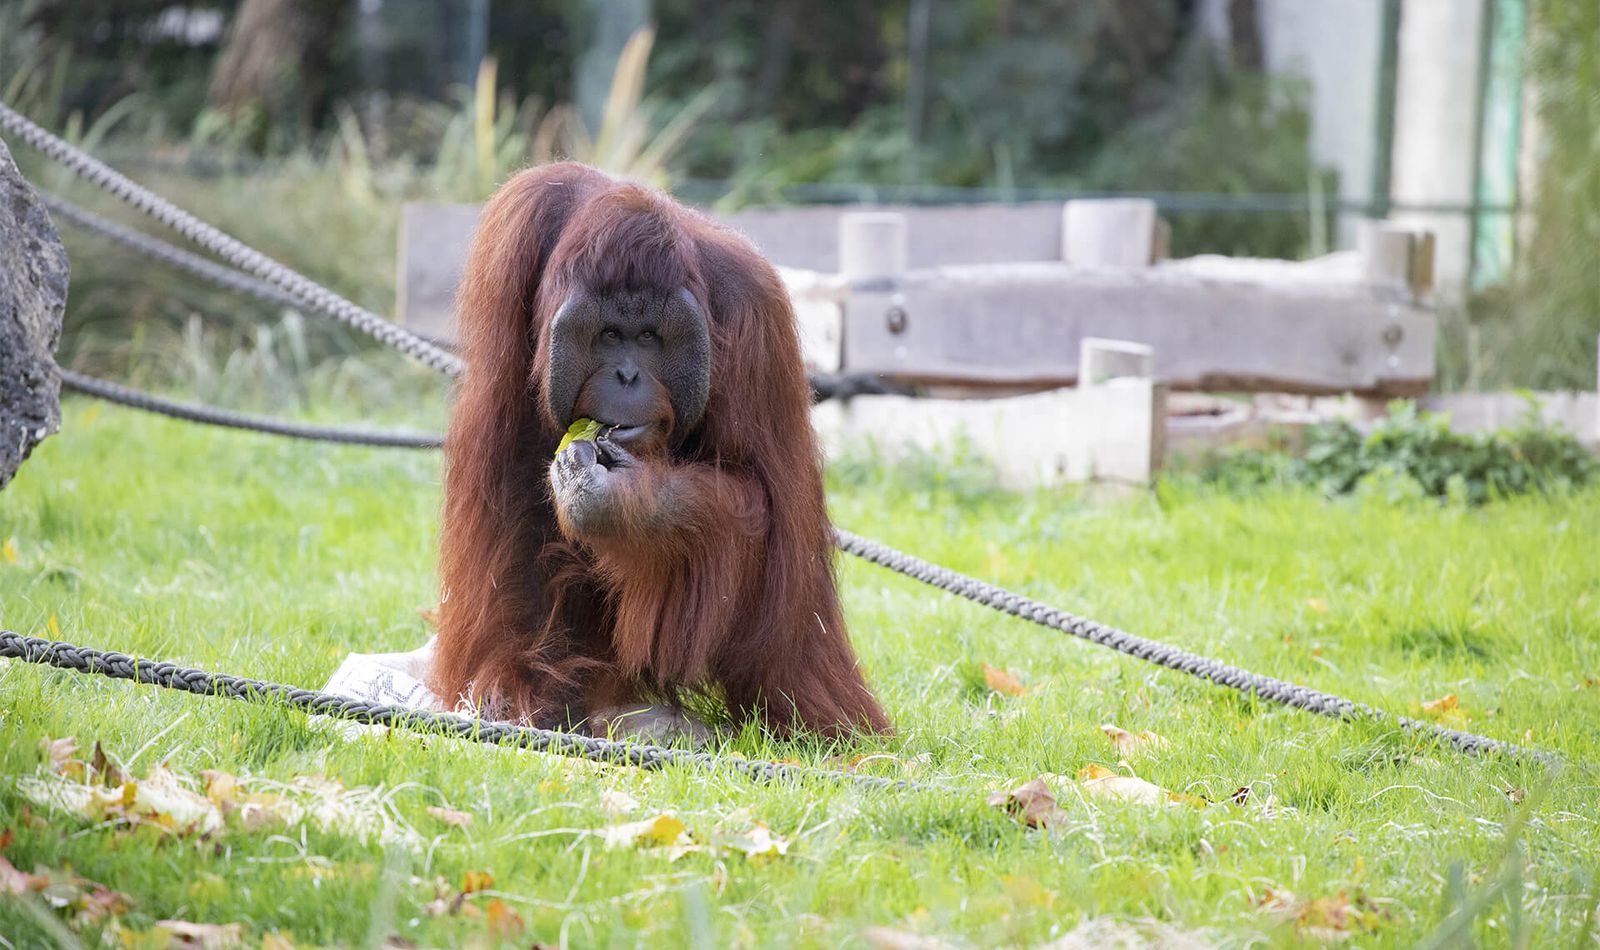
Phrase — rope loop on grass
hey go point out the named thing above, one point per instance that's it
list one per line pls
(67, 656)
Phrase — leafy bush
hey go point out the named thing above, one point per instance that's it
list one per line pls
(1412, 454)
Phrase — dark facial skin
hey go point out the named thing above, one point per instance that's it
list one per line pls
(644, 357)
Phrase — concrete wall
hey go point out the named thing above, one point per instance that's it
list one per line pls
(1436, 103)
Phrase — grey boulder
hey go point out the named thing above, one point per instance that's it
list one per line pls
(33, 294)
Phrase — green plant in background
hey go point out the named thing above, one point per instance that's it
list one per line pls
(1411, 454)
(630, 141)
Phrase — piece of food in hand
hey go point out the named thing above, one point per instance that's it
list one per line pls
(583, 430)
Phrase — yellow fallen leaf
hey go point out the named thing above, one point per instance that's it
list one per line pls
(649, 833)
(1101, 783)
(503, 922)
(1317, 604)
(475, 881)
(451, 817)
(1128, 744)
(1027, 891)
(1032, 802)
(8, 551)
(1447, 706)
(1002, 681)
(221, 787)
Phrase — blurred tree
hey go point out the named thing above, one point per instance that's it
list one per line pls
(1541, 329)
(84, 56)
(273, 72)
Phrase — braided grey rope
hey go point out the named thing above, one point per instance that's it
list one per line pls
(235, 252)
(205, 683)
(170, 254)
(192, 412)
(1161, 654)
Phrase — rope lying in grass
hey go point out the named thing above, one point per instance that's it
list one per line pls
(1161, 654)
(305, 291)
(193, 412)
(203, 682)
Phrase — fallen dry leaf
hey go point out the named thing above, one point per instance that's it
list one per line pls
(13, 881)
(885, 938)
(221, 787)
(106, 772)
(1099, 782)
(503, 922)
(1032, 802)
(649, 833)
(158, 800)
(758, 842)
(1115, 933)
(58, 752)
(1325, 919)
(86, 901)
(451, 817)
(476, 881)
(1443, 706)
(1002, 681)
(1317, 604)
(1129, 744)
(615, 802)
(250, 811)
(185, 934)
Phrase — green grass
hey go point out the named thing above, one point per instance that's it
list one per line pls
(275, 559)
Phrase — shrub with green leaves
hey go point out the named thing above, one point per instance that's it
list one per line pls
(1414, 454)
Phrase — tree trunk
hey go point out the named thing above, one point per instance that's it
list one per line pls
(1244, 30)
(274, 66)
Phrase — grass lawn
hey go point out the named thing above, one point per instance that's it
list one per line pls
(275, 559)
